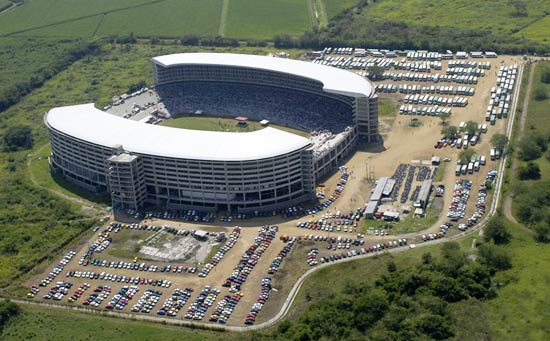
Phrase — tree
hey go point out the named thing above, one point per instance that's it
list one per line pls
(18, 137)
(8, 309)
(375, 71)
(450, 132)
(190, 40)
(444, 116)
(136, 86)
(471, 128)
(520, 6)
(435, 326)
(529, 149)
(529, 172)
(542, 232)
(496, 257)
(540, 93)
(465, 156)
(545, 76)
(499, 141)
(283, 40)
(497, 231)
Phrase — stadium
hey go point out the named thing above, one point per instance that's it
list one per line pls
(268, 169)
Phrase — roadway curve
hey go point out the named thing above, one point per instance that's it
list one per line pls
(295, 289)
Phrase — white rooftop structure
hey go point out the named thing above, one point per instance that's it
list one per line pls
(90, 124)
(334, 80)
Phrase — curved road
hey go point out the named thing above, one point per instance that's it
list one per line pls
(295, 289)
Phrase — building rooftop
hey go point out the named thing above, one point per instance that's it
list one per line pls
(87, 123)
(334, 80)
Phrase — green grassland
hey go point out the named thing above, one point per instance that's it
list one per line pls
(38, 13)
(454, 24)
(222, 124)
(172, 18)
(464, 14)
(37, 323)
(387, 107)
(538, 119)
(242, 19)
(252, 19)
(334, 7)
(27, 62)
(537, 31)
(521, 310)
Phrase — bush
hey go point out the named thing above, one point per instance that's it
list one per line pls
(8, 309)
(542, 232)
(496, 257)
(529, 172)
(497, 231)
(529, 149)
(540, 93)
(545, 76)
(18, 137)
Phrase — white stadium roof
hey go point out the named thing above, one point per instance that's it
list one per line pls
(87, 123)
(334, 80)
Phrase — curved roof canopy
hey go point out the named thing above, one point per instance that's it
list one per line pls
(334, 80)
(85, 122)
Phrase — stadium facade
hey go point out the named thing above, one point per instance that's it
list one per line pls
(268, 169)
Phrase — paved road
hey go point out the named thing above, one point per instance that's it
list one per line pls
(295, 289)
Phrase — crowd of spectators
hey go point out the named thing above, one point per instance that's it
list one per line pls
(304, 111)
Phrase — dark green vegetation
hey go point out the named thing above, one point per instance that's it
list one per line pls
(28, 62)
(8, 310)
(403, 302)
(18, 137)
(532, 200)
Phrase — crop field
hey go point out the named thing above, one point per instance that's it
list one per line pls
(221, 124)
(243, 19)
(264, 19)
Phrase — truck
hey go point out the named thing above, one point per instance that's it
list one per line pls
(464, 169)
(458, 169)
(492, 153)
(470, 168)
(476, 166)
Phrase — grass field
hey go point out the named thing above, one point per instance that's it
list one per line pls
(243, 19)
(386, 107)
(538, 119)
(167, 18)
(465, 14)
(222, 124)
(36, 323)
(521, 310)
(333, 7)
(264, 19)
(40, 170)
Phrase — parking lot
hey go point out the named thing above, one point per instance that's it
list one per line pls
(248, 277)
